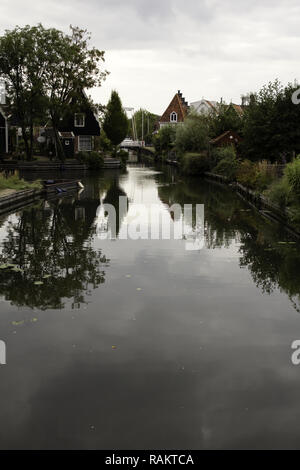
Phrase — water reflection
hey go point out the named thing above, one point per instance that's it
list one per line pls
(266, 249)
(51, 243)
(170, 348)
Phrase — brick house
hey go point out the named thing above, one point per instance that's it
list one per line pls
(176, 112)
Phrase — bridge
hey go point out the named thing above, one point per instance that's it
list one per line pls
(132, 144)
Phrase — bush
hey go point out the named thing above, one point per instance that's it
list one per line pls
(123, 156)
(94, 160)
(279, 192)
(227, 162)
(163, 141)
(195, 163)
(292, 174)
(192, 135)
(247, 173)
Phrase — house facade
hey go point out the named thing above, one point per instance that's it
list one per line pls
(176, 112)
(82, 125)
(204, 106)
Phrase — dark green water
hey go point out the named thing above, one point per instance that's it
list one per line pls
(133, 344)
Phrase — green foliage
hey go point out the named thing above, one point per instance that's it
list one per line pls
(144, 125)
(192, 135)
(123, 156)
(279, 192)
(164, 140)
(195, 163)
(103, 142)
(271, 129)
(225, 118)
(227, 162)
(45, 69)
(94, 160)
(246, 173)
(16, 183)
(115, 123)
(292, 174)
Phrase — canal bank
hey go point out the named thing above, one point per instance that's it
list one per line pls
(259, 202)
(11, 199)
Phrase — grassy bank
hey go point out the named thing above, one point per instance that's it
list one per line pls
(17, 184)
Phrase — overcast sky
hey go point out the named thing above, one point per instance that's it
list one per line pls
(205, 48)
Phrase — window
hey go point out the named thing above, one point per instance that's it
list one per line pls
(173, 117)
(85, 143)
(79, 120)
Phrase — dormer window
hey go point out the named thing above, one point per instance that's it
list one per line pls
(173, 117)
(79, 120)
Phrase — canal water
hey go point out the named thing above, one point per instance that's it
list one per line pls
(146, 344)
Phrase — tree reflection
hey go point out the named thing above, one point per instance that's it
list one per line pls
(271, 256)
(52, 245)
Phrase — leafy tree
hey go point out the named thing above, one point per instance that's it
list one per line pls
(46, 71)
(225, 118)
(22, 65)
(115, 123)
(165, 138)
(71, 67)
(192, 135)
(261, 126)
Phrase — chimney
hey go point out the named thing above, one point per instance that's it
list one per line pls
(179, 93)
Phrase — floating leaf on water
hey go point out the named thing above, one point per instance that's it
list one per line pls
(138, 288)
(38, 283)
(18, 323)
(128, 275)
(114, 347)
(4, 266)
(46, 276)
(33, 320)
(17, 270)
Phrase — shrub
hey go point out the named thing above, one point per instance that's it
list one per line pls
(163, 141)
(247, 173)
(94, 160)
(195, 163)
(192, 135)
(227, 162)
(292, 174)
(279, 192)
(123, 156)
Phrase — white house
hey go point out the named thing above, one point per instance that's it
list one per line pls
(204, 106)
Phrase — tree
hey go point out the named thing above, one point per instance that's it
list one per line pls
(71, 67)
(260, 124)
(165, 138)
(192, 135)
(46, 71)
(115, 123)
(225, 118)
(22, 65)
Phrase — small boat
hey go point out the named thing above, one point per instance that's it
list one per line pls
(61, 186)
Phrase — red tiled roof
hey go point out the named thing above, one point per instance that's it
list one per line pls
(178, 105)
